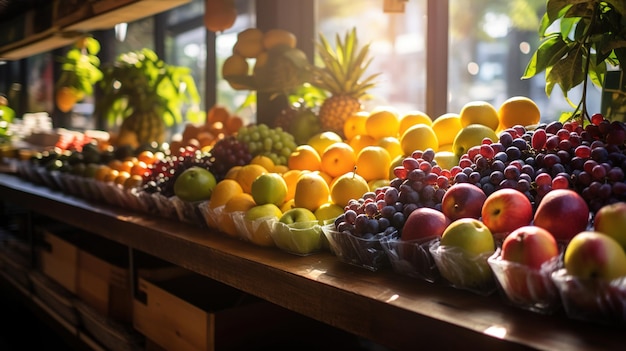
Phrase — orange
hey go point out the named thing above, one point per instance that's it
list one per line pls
(480, 112)
(232, 172)
(518, 110)
(148, 157)
(235, 65)
(115, 164)
(360, 141)
(419, 137)
(373, 163)
(304, 157)
(66, 98)
(311, 191)
(102, 171)
(338, 159)
(355, 125)
(134, 181)
(446, 127)
(121, 178)
(291, 178)
(126, 166)
(346, 187)
(279, 169)
(224, 191)
(247, 174)
(249, 43)
(412, 118)
(275, 37)
(322, 140)
(110, 176)
(382, 122)
(139, 168)
(392, 145)
(324, 175)
(217, 113)
(238, 203)
(264, 161)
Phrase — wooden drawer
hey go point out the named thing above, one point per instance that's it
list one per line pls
(104, 286)
(59, 260)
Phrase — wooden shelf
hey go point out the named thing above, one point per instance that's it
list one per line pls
(102, 15)
(396, 311)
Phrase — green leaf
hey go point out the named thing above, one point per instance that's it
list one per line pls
(546, 55)
(568, 72)
(597, 72)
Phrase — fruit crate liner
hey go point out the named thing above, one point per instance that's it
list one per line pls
(256, 231)
(188, 212)
(592, 300)
(165, 206)
(463, 271)
(364, 253)
(412, 258)
(525, 287)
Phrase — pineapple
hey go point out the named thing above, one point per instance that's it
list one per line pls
(341, 77)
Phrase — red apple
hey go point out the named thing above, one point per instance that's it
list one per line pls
(529, 245)
(562, 212)
(611, 220)
(463, 200)
(594, 255)
(424, 223)
(506, 210)
(519, 268)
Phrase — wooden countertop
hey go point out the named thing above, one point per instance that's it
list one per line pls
(393, 310)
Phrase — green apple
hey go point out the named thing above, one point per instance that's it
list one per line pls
(194, 184)
(298, 231)
(297, 215)
(260, 221)
(304, 125)
(467, 244)
(611, 220)
(594, 255)
(269, 188)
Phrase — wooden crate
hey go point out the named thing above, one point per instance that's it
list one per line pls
(58, 259)
(191, 313)
(104, 286)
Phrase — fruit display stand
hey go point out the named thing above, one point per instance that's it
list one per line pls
(395, 311)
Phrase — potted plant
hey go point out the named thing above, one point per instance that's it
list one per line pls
(590, 35)
(144, 95)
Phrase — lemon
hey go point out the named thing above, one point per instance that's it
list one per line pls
(412, 118)
(346, 187)
(446, 127)
(322, 140)
(373, 162)
(446, 159)
(479, 112)
(419, 137)
(311, 191)
(472, 135)
(383, 122)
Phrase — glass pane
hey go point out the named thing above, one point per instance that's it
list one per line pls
(135, 36)
(490, 45)
(397, 46)
(226, 95)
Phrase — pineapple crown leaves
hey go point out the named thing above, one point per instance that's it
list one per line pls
(80, 66)
(591, 34)
(139, 81)
(344, 66)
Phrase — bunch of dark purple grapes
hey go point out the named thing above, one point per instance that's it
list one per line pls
(162, 174)
(419, 182)
(228, 153)
(557, 155)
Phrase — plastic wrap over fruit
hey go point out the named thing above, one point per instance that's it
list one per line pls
(463, 271)
(597, 301)
(525, 287)
(255, 231)
(412, 258)
(299, 238)
(365, 253)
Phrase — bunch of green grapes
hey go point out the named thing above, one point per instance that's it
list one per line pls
(274, 143)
